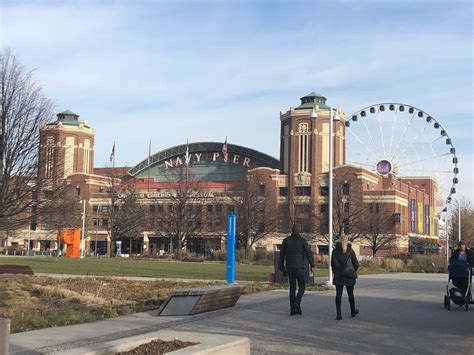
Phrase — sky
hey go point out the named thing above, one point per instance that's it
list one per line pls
(168, 71)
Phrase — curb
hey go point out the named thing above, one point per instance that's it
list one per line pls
(215, 344)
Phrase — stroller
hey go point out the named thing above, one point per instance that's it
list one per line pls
(460, 276)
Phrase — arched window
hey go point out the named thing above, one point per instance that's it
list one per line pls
(303, 149)
(345, 188)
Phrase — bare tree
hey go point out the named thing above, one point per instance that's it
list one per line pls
(130, 218)
(378, 230)
(349, 214)
(181, 218)
(256, 219)
(463, 206)
(58, 210)
(113, 191)
(24, 109)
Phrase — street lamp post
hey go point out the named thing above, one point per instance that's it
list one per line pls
(314, 115)
(331, 147)
(459, 221)
(447, 239)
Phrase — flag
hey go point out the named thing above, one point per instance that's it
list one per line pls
(224, 150)
(149, 153)
(112, 154)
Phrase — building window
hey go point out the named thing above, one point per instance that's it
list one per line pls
(105, 209)
(87, 154)
(105, 221)
(303, 191)
(159, 208)
(374, 208)
(345, 226)
(218, 208)
(324, 208)
(95, 209)
(209, 208)
(325, 225)
(283, 225)
(152, 208)
(303, 153)
(69, 156)
(286, 148)
(283, 191)
(261, 227)
(345, 189)
(303, 209)
(49, 157)
(261, 190)
(305, 224)
(159, 224)
(324, 191)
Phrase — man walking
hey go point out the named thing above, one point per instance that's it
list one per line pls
(293, 252)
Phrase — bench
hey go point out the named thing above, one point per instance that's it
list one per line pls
(16, 269)
(199, 300)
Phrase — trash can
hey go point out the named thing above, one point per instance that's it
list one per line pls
(279, 278)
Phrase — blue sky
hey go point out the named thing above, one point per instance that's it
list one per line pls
(204, 70)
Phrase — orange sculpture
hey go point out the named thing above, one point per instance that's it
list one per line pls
(72, 238)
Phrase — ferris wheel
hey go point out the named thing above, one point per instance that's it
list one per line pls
(403, 140)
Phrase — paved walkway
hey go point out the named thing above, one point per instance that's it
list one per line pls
(399, 314)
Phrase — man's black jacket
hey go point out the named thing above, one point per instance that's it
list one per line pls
(294, 250)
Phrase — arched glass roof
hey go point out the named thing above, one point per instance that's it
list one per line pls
(206, 162)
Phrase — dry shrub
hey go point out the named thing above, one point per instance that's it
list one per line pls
(192, 257)
(429, 263)
(390, 264)
(35, 302)
(322, 260)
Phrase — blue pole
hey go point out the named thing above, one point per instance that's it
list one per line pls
(230, 260)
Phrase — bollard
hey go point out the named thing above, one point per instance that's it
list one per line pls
(230, 260)
(4, 335)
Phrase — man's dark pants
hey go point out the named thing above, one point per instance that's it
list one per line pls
(296, 275)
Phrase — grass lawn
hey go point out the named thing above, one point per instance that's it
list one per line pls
(142, 267)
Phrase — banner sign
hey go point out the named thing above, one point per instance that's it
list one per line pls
(412, 216)
(427, 219)
(432, 221)
(420, 217)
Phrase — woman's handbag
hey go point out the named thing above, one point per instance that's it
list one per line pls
(348, 269)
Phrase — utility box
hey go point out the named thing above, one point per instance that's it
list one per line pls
(279, 278)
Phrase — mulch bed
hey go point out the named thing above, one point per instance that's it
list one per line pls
(158, 346)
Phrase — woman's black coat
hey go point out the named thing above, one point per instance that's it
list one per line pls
(337, 264)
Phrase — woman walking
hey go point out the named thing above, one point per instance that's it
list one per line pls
(344, 266)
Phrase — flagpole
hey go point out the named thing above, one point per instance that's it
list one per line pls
(149, 155)
(187, 161)
(226, 169)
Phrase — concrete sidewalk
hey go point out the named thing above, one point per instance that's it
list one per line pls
(399, 313)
